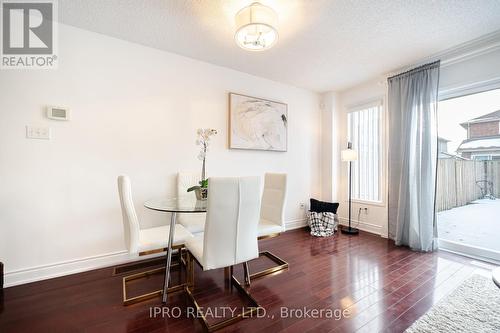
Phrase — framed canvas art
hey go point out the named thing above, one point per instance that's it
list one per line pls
(257, 124)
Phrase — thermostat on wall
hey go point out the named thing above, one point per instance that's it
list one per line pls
(57, 113)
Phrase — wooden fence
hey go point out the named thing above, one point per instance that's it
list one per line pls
(459, 182)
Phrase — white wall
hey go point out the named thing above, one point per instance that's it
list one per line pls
(472, 74)
(134, 110)
(329, 146)
(470, 68)
(343, 102)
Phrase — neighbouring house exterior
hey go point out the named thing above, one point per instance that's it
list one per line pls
(443, 150)
(442, 145)
(483, 138)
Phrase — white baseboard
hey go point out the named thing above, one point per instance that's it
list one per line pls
(365, 226)
(295, 224)
(32, 274)
(43, 272)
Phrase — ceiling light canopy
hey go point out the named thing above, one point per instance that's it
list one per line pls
(256, 27)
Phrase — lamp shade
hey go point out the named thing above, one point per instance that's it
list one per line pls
(256, 27)
(349, 155)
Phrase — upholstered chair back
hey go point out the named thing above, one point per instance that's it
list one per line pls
(233, 211)
(273, 198)
(193, 222)
(184, 181)
(131, 225)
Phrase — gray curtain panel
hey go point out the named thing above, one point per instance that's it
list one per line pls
(413, 98)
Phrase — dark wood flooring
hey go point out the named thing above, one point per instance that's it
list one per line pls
(383, 288)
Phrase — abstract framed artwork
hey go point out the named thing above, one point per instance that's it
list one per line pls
(257, 124)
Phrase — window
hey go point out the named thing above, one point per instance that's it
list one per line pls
(481, 157)
(489, 157)
(364, 132)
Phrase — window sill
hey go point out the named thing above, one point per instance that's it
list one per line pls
(368, 202)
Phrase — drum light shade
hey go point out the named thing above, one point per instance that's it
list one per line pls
(256, 27)
(349, 155)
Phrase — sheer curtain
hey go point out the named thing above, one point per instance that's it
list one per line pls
(413, 98)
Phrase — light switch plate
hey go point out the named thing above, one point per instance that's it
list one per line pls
(38, 132)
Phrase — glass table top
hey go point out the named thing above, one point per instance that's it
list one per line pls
(177, 205)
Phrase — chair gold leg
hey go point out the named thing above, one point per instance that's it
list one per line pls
(227, 277)
(246, 273)
(156, 293)
(190, 270)
(132, 266)
(281, 266)
(143, 297)
(231, 273)
(249, 312)
(228, 272)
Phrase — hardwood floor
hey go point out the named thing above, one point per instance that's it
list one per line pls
(380, 286)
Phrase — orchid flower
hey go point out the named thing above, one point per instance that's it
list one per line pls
(203, 140)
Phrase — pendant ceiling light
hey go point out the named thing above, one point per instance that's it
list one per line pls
(256, 27)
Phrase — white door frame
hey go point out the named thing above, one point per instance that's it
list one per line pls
(468, 250)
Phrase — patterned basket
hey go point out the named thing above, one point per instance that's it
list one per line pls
(322, 224)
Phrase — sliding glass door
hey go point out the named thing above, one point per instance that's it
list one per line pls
(468, 183)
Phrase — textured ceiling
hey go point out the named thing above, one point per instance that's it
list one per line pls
(324, 44)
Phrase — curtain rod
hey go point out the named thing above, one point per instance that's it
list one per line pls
(416, 69)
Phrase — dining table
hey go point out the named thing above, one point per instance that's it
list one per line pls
(174, 206)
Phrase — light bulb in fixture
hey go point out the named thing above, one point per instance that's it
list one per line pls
(256, 27)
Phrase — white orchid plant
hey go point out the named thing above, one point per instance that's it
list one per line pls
(203, 140)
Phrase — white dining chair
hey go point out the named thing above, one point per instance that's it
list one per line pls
(230, 236)
(141, 242)
(272, 218)
(194, 223)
